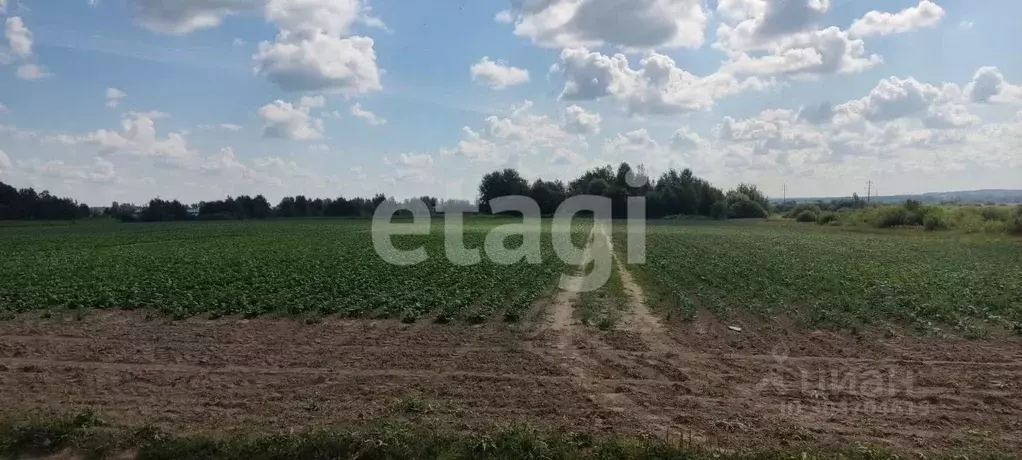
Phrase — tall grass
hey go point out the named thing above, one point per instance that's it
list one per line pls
(968, 219)
(84, 435)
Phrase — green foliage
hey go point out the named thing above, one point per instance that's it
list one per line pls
(29, 204)
(740, 206)
(378, 442)
(826, 218)
(835, 279)
(806, 216)
(935, 218)
(720, 210)
(799, 209)
(252, 268)
(1014, 223)
(891, 216)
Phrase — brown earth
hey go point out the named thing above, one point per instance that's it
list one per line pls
(709, 384)
(765, 386)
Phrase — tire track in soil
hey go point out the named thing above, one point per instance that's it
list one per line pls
(604, 392)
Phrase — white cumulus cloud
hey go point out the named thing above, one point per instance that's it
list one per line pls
(657, 86)
(287, 121)
(578, 120)
(371, 118)
(631, 24)
(114, 97)
(497, 75)
(925, 14)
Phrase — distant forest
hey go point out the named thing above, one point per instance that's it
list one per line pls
(673, 193)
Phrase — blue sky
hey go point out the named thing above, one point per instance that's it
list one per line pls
(123, 100)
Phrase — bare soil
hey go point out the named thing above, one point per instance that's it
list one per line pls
(767, 386)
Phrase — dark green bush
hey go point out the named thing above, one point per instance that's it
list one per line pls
(799, 209)
(995, 213)
(826, 218)
(747, 209)
(719, 210)
(891, 216)
(1014, 225)
(806, 216)
(934, 218)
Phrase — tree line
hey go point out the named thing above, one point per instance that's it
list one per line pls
(26, 203)
(674, 193)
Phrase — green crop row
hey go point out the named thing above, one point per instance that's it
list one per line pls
(836, 278)
(253, 268)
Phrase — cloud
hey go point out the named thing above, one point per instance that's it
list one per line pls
(287, 121)
(5, 162)
(237, 42)
(631, 141)
(3, 108)
(114, 97)
(685, 140)
(137, 136)
(411, 160)
(566, 157)
(816, 114)
(100, 171)
(577, 120)
(19, 38)
(966, 24)
(503, 17)
(311, 51)
(369, 117)
(497, 75)
(19, 48)
(31, 71)
(185, 16)
(988, 85)
(316, 102)
(925, 14)
(503, 139)
(631, 24)
(758, 22)
(826, 51)
(657, 86)
(320, 62)
(939, 107)
(229, 127)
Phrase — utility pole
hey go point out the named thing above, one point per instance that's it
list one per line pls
(784, 194)
(869, 191)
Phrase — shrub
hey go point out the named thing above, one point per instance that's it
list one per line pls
(891, 216)
(799, 209)
(995, 213)
(826, 218)
(994, 226)
(746, 208)
(934, 218)
(719, 210)
(806, 216)
(1014, 224)
(968, 220)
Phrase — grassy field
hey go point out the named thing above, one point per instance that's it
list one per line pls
(86, 435)
(821, 276)
(293, 267)
(836, 278)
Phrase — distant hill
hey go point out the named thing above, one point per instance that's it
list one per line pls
(997, 196)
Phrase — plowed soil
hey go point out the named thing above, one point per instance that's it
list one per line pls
(699, 381)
